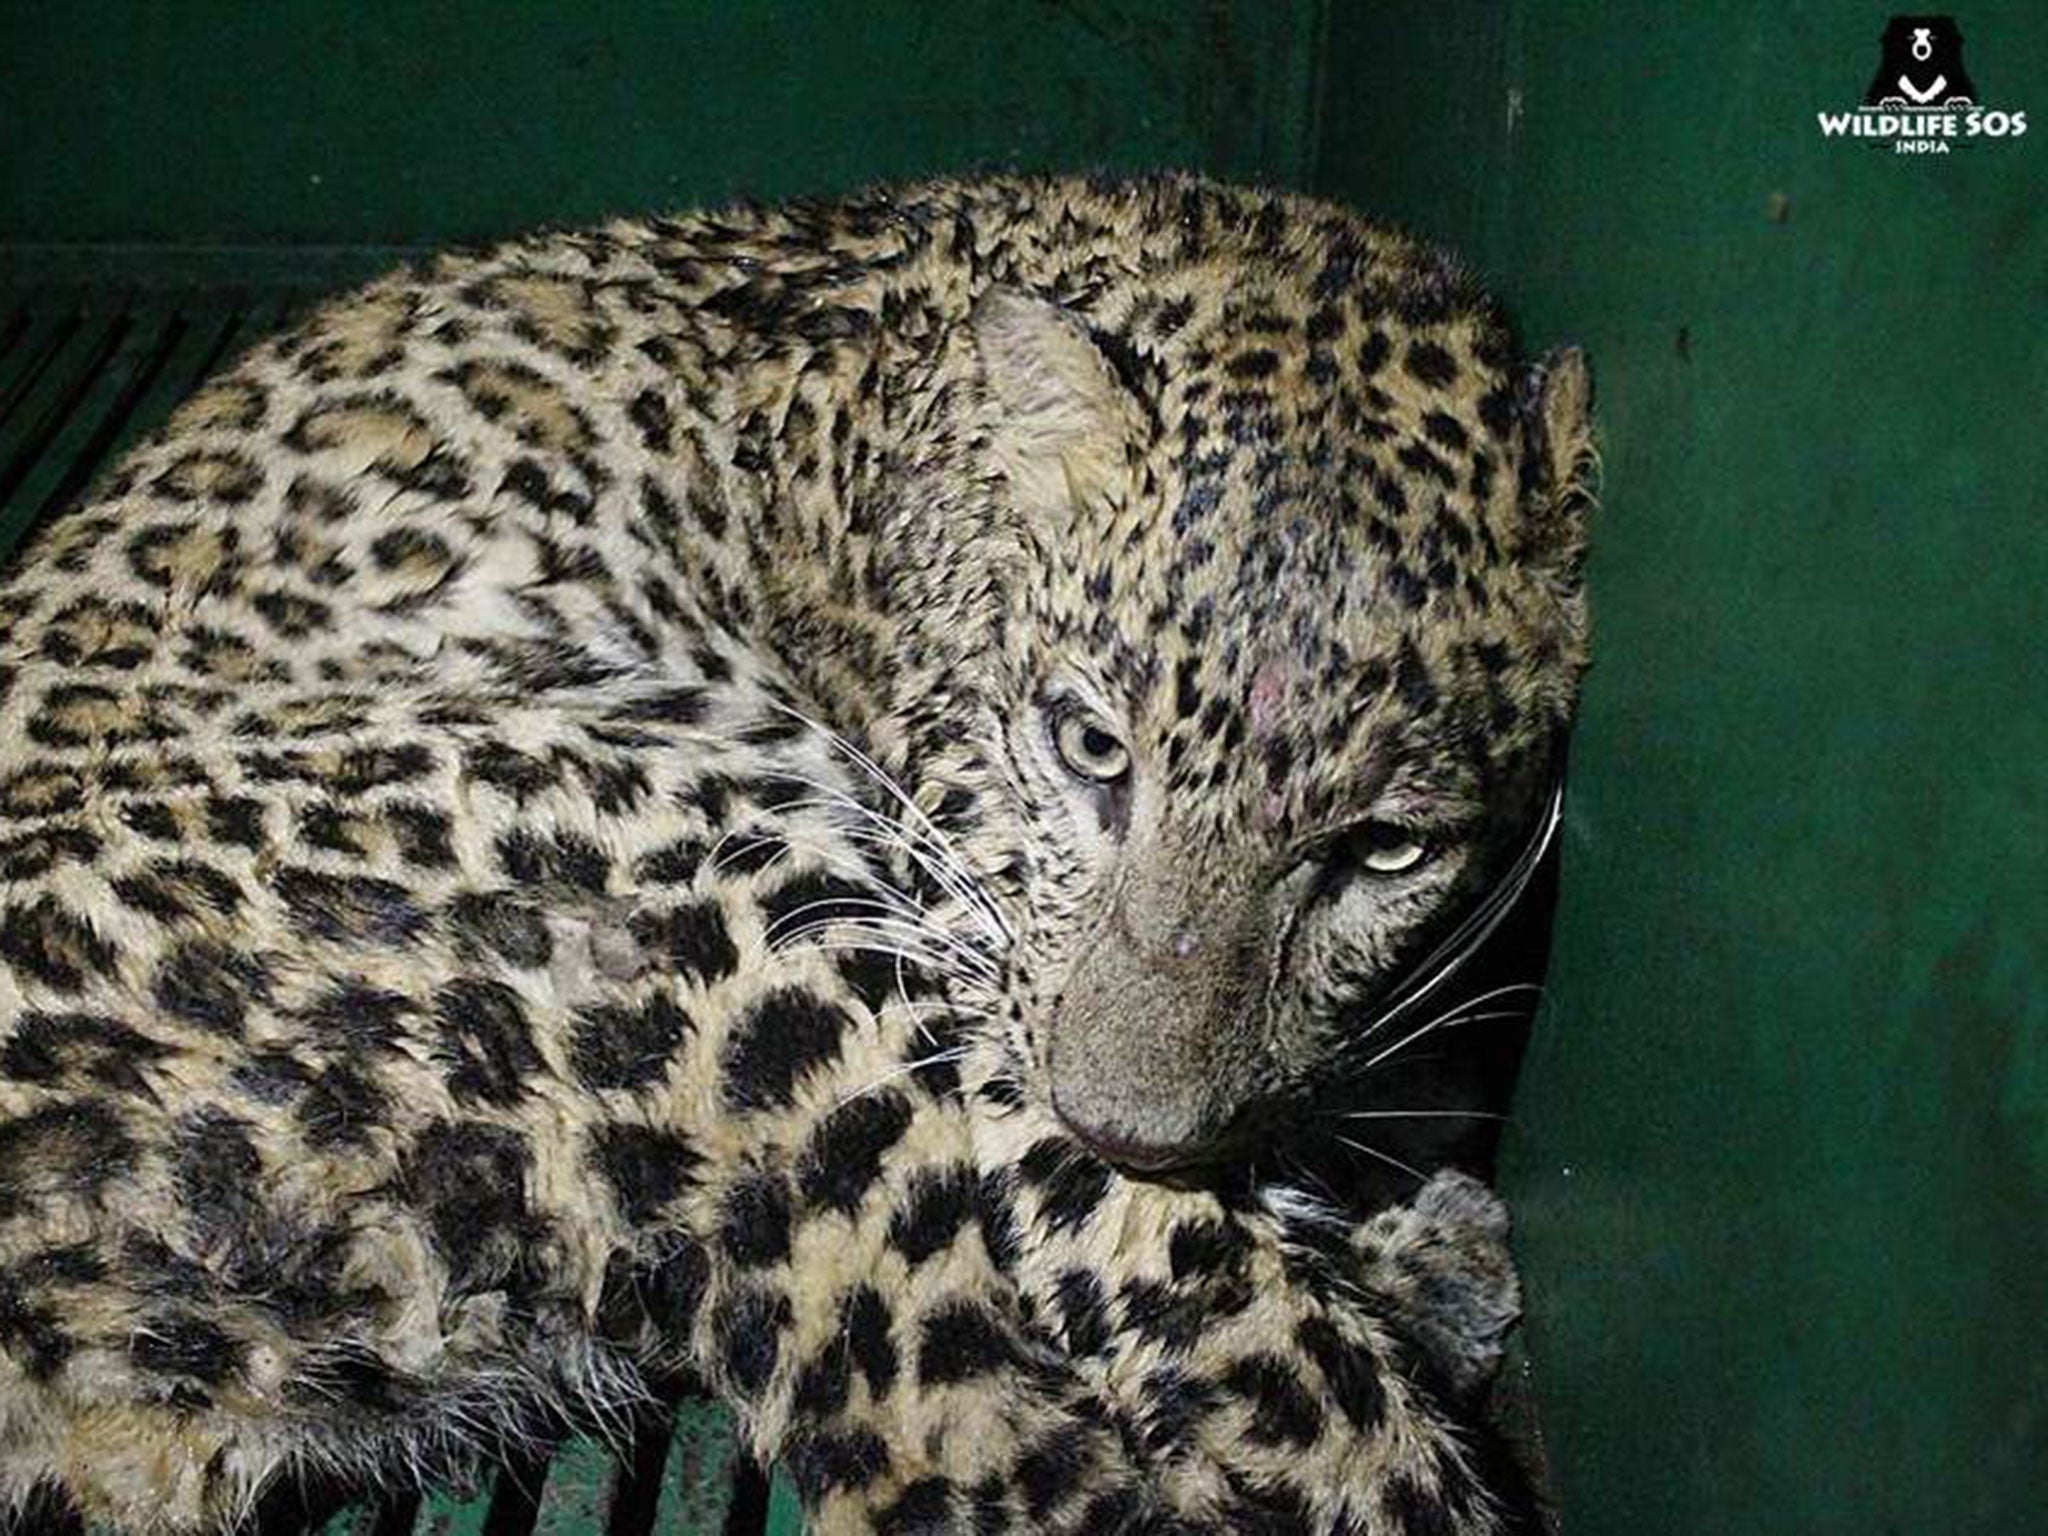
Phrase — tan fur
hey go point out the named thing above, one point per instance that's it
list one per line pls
(458, 952)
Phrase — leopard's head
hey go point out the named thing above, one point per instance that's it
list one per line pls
(1261, 640)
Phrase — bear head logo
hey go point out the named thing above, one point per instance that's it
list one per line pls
(1921, 66)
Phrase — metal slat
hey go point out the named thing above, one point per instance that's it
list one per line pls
(785, 1510)
(356, 1520)
(46, 319)
(13, 324)
(47, 404)
(576, 1499)
(447, 1513)
(54, 330)
(211, 320)
(65, 462)
(698, 1473)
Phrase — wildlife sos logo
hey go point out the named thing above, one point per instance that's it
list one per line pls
(1921, 101)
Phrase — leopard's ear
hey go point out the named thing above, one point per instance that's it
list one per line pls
(1563, 462)
(1061, 421)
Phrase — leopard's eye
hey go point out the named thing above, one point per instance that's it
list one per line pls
(1088, 749)
(1385, 849)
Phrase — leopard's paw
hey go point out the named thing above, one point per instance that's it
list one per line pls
(1442, 1268)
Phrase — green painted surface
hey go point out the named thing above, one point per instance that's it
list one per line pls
(1781, 1151)
(785, 1512)
(697, 1476)
(454, 1512)
(304, 121)
(359, 1520)
(576, 1498)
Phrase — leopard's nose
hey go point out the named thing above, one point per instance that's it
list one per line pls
(1126, 1149)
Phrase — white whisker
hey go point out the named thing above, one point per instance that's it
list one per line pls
(925, 961)
(966, 961)
(875, 830)
(1480, 925)
(940, 1005)
(929, 831)
(904, 1069)
(1448, 1020)
(1355, 1042)
(846, 903)
(720, 859)
(1386, 1157)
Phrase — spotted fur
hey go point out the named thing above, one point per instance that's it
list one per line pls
(463, 947)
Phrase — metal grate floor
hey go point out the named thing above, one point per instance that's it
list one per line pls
(682, 1476)
(85, 370)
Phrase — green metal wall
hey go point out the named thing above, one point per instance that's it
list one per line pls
(370, 122)
(1781, 1147)
(1781, 1152)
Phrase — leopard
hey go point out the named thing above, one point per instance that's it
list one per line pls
(784, 796)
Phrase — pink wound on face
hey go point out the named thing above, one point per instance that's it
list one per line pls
(1269, 690)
